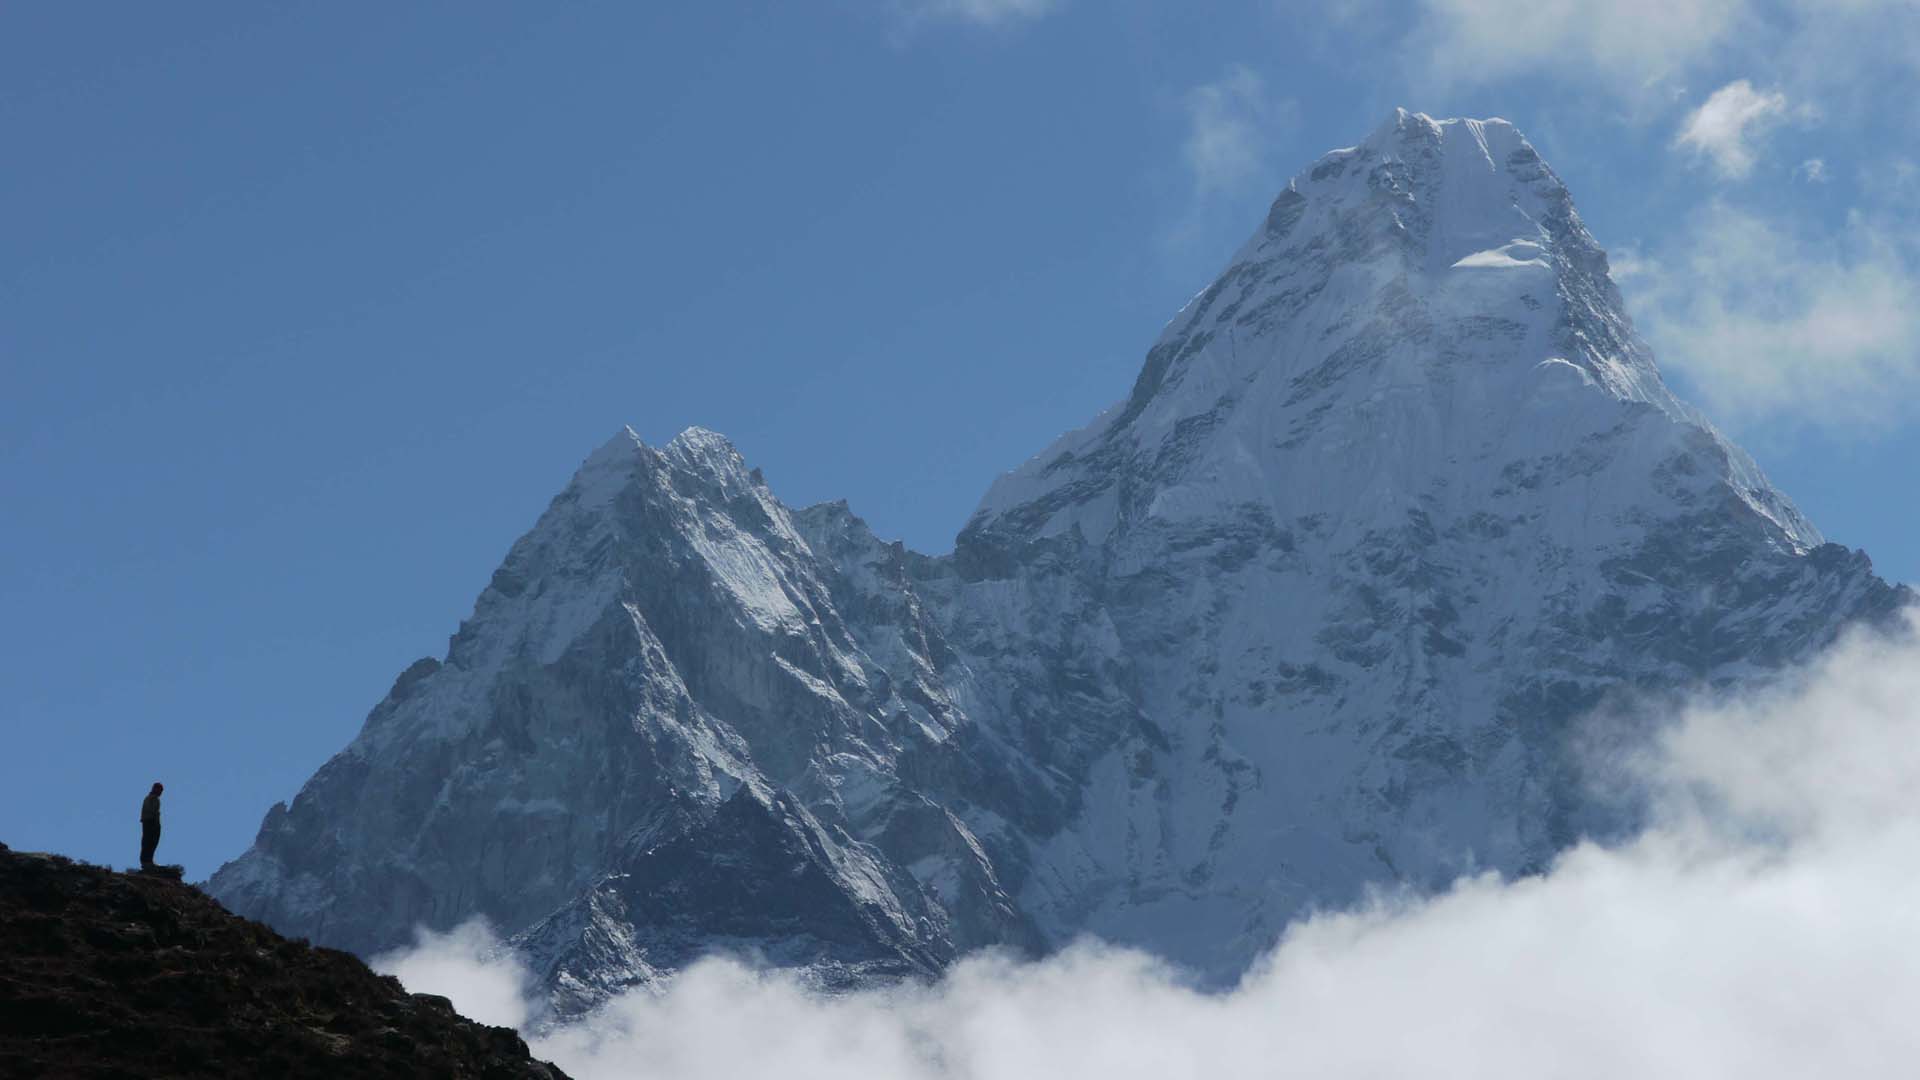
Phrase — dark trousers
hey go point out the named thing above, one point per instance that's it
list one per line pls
(149, 839)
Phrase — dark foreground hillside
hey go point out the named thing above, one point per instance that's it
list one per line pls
(104, 974)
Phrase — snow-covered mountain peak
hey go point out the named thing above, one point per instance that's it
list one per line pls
(1319, 605)
(1422, 300)
(712, 457)
(695, 458)
(1403, 125)
(1411, 134)
(703, 444)
(610, 467)
(1452, 192)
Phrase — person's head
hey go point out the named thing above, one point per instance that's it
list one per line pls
(158, 787)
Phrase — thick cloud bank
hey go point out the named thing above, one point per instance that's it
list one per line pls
(1768, 925)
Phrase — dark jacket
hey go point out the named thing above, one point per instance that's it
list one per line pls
(150, 810)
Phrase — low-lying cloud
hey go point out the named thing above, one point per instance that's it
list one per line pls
(468, 965)
(1767, 925)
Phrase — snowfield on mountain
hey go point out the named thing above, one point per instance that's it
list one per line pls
(1396, 505)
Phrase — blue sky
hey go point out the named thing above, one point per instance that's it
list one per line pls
(306, 311)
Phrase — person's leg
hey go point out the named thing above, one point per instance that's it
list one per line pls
(149, 840)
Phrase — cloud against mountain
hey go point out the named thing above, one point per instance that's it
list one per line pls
(1764, 927)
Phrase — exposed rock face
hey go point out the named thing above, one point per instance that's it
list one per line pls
(122, 975)
(1393, 502)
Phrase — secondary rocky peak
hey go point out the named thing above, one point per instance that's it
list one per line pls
(698, 447)
(693, 450)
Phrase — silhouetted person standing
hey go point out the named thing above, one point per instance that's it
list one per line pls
(150, 826)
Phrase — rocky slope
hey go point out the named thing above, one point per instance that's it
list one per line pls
(1394, 502)
(127, 975)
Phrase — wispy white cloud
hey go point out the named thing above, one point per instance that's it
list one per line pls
(1894, 181)
(1641, 51)
(977, 12)
(1852, 44)
(1765, 927)
(1813, 170)
(1629, 44)
(1774, 325)
(1230, 127)
(1727, 127)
